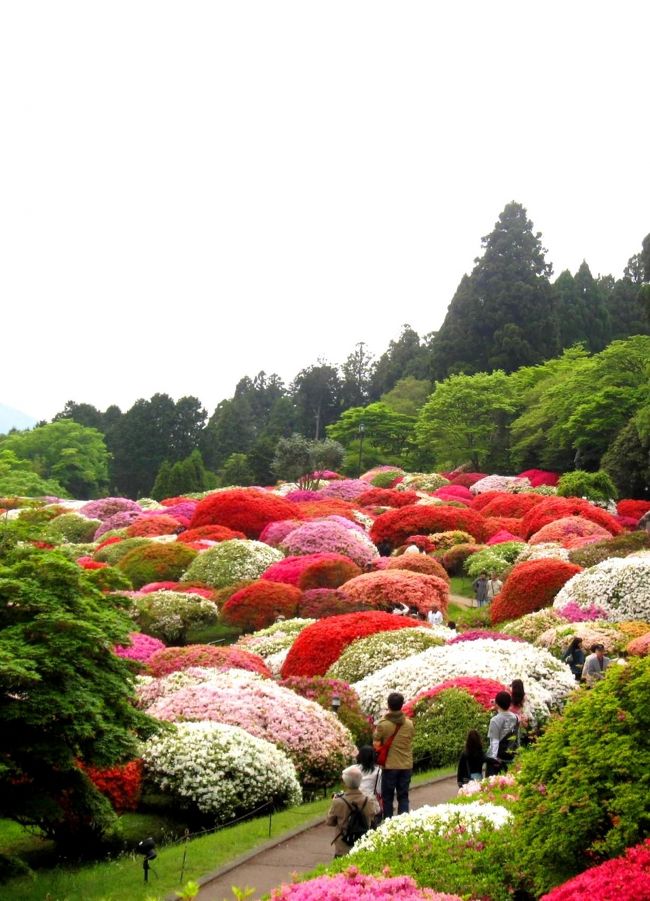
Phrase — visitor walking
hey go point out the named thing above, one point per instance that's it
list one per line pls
(471, 760)
(575, 657)
(503, 736)
(351, 812)
(393, 741)
(480, 590)
(493, 587)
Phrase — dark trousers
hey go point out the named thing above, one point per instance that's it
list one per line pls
(395, 782)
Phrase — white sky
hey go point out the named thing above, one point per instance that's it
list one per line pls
(194, 191)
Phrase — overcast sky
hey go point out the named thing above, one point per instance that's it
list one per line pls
(191, 192)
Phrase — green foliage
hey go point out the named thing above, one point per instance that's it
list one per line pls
(441, 726)
(586, 785)
(595, 486)
(618, 546)
(236, 471)
(407, 356)
(19, 478)
(494, 559)
(408, 395)
(113, 553)
(385, 479)
(296, 457)
(108, 579)
(385, 430)
(627, 460)
(156, 562)
(71, 527)
(64, 695)
(71, 454)
(186, 476)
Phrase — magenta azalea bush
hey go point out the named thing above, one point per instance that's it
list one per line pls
(574, 613)
(118, 521)
(275, 532)
(355, 886)
(320, 537)
(140, 648)
(625, 878)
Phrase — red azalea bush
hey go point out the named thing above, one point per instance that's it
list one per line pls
(156, 563)
(501, 503)
(453, 559)
(475, 634)
(328, 506)
(454, 492)
(625, 878)
(387, 497)
(395, 526)
(114, 539)
(512, 524)
(321, 644)
(170, 660)
(538, 477)
(466, 479)
(291, 568)
(174, 501)
(245, 510)
(482, 690)
(122, 785)
(149, 526)
(318, 603)
(530, 587)
(639, 647)
(570, 532)
(552, 508)
(259, 605)
(89, 563)
(418, 563)
(633, 509)
(209, 533)
(322, 690)
(391, 587)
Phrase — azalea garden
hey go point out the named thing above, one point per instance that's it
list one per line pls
(185, 656)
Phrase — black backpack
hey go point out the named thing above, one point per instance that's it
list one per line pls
(509, 744)
(356, 825)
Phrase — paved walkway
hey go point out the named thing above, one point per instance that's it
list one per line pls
(274, 864)
(461, 601)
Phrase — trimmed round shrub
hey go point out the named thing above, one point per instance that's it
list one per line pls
(625, 878)
(112, 553)
(494, 525)
(389, 588)
(71, 528)
(245, 510)
(321, 568)
(619, 546)
(422, 481)
(321, 644)
(552, 508)
(530, 626)
(372, 653)
(344, 489)
(529, 587)
(570, 531)
(620, 585)
(538, 477)
(278, 637)
(238, 773)
(483, 691)
(442, 722)
(259, 605)
(276, 532)
(209, 533)
(150, 526)
(639, 647)
(117, 522)
(170, 660)
(328, 536)
(106, 507)
(322, 690)
(500, 483)
(169, 615)
(232, 561)
(419, 563)
(454, 559)
(633, 509)
(498, 503)
(386, 497)
(494, 559)
(156, 563)
(595, 486)
(395, 526)
(442, 541)
(321, 602)
(547, 551)
(585, 792)
(140, 648)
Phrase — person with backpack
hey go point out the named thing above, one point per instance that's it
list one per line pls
(393, 742)
(351, 812)
(503, 736)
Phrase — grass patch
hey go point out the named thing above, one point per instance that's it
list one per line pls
(216, 632)
(123, 878)
(462, 585)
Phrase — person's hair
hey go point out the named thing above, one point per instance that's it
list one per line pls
(473, 743)
(503, 700)
(575, 644)
(352, 776)
(367, 758)
(599, 647)
(517, 692)
(451, 624)
(395, 701)
(483, 573)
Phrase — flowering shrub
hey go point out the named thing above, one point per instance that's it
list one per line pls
(619, 546)
(289, 569)
(442, 722)
(106, 507)
(454, 492)
(422, 481)
(395, 526)
(467, 479)
(501, 529)
(177, 586)
(558, 638)
(585, 792)
(639, 647)
(552, 508)
(483, 691)
(388, 589)
(496, 559)
(546, 551)
(386, 497)
(170, 660)
(493, 788)
(322, 690)
(634, 509)
(372, 653)
(419, 563)
(475, 634)
(120, 520)
(140, 648)
(237, 773)
(625, 878)
(210, 533)
(169, 615)
(533, 624)
(156, 563)
(332, 537)
(71, 528)
(246, 510)
(570, 531)
(455, 558)
(313, 738)
(122, 785)
(538, 477)
(319, 603)
(326, 506)
(327, 570)
(547, 680)
(259, 605)
(147, 526)
(442, 541)
(278, 637)
(620, 585)
(232, 561)
(319, 645)
(276, 532)
(149, 690)
(529, 587)
(112, 553)
(354, 886)
(499, 483)
(345, 489)
(573, 613)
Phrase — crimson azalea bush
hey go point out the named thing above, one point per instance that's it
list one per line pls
(170, 660)
(530, 587)
(538, 477)
(395, 526)
(122, 785)
(482, 690)
(259, 605)
(155, 562)
(551, 508)
(289, 569)
(317, 603)
(457, 492)
(245, 510)
(466, 479)
(625, 878)
(387, 497)
(419, 563)
(495, 524)
(570, 531)
(501, 503)
(209, 533)
(148, 526)
(331, 571)
(320, 645)
(634, 509)
(389, 588)
(322, 690)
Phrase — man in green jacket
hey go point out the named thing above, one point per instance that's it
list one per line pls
(397, 729)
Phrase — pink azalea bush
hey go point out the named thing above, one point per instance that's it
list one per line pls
(106, 507)
(625, 878)
(574, 613)
(391, 587)
(140, 648)
(321, 537)
(275, 532)
(120, 520)
(570, 531)
(345, 489)
(355, 886)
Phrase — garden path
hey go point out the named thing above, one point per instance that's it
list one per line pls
(275, 863)
(460, 600)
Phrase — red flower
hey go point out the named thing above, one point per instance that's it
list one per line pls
(386, 497)
(531, 586)
(633, 509)
(625, 878)
(395, 526)
(147, 526)
(211, 533)
(259, 605)
(552, 508)
(501, 503)
(244, 509)
(326, 570)
(482, 690)
(122, 785)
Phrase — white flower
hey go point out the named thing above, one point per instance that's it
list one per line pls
(543, 551)
(619, 585)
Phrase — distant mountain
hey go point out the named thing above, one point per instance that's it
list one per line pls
(14, 419)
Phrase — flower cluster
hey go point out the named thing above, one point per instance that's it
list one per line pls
(619, 585)
(476, 634)
(529, 587)
(333, 537)
(538, 477)
(322, 690)
(147, 526)
(367, 655)
(232, 561)
(258, 605)
(552, 508)
(639, 647)
(122, 785)
(533, 624)
(500, 483)
(570, 531)
(386, 497)
(121, 520)
(276, 532)
(395, 526)
(220, 770)
(106, 507)
(574, 613)
(209, 533)
(494, 788)
(345, 489)
(141, 647)
(355, 886)
(422, 481)
(389, 588)
(546, 551)
(171, 659)
(633, 509)
(625, 878)
(321, 602)
(169, 615)
(246, 510)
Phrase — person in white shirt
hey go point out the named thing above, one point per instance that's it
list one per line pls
(403, 610)
(371, 773)
(435, 618)
(494, 586)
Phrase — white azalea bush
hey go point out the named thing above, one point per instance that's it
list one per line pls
(219, 770)
(169, 615)
(547, 681)
(236, 560)
(419, 825)
(278, 637)
(500, 483)
(542, 551)
(367, 655)
(421, 481)
(149, 689)
(620, 586)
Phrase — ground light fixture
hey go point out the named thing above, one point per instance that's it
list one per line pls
(147, 847)
(336, 704)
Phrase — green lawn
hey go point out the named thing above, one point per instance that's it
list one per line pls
(462, 585)
(122, 878)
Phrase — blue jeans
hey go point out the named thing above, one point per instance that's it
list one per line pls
(392, 782)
